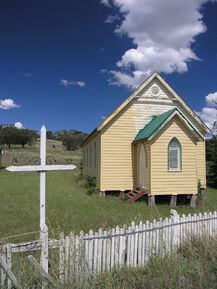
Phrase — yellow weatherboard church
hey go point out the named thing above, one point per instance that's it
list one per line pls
(152, 141)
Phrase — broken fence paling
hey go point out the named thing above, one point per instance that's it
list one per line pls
(126, 246)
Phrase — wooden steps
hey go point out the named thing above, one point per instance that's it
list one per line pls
(134, 195)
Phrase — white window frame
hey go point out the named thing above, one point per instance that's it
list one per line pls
(178, 149)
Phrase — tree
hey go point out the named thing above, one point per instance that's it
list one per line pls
(60, 134)
(211, 157)
(26, 136)
(8, 135)
(50, 135)
(11, 135)
(73, 139)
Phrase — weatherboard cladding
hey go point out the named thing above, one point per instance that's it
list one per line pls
(118, 153)
(164, 181)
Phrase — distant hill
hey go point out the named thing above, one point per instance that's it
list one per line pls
(56, 154)
(11, 135)
(71, 139)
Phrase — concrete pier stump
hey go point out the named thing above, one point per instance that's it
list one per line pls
(102, 193)
(151, 201)
(173, 201)
(193, 201)
(121, 195)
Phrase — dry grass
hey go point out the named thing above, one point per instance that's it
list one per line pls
(193, 266)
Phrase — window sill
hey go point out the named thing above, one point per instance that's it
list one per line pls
(174, 171)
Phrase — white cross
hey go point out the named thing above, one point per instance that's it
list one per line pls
(42, 168)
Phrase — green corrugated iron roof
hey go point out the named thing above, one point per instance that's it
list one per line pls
(153, 125)
(156, 122)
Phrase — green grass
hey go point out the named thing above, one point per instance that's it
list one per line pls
(68, 206)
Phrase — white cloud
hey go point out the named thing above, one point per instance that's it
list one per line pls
(8, 103)
(25, 74)
(211, 99)
(80, 83)
(106, 3)
(65, 82)
(110, 19)
(18, 125)
(162, 33)
(209, 116)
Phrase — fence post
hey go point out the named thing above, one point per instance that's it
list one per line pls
(66, 269)
(3, 274)
(175, 228)
(41, 271)
(44, 247)
(8, 272)
(62, 258)
(8, 256)
(44, 251)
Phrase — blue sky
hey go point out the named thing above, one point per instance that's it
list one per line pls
(69, 63)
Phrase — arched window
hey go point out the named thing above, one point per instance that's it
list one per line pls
(174, 155)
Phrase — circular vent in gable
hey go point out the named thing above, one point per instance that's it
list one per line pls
(155, 91)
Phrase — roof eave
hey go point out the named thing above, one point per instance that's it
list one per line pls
(182, 116)
(187, 122)
(91, 135)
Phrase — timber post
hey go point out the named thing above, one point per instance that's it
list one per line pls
(1, 153)
(44, 247)
(41, 271)
(42, 169)
(175, 228)
(11, 278)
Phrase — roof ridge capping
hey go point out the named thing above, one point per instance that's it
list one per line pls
(158, 122)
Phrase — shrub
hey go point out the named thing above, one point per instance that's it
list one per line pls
(90, 184)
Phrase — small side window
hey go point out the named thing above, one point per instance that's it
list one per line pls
(91, 155)
(95, 154)
(174, 155)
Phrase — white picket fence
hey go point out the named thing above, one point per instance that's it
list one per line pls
(121, 246)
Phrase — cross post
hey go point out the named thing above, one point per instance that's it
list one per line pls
(42, 169)
(42, 175)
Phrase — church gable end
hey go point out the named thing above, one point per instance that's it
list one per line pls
(155, 91)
